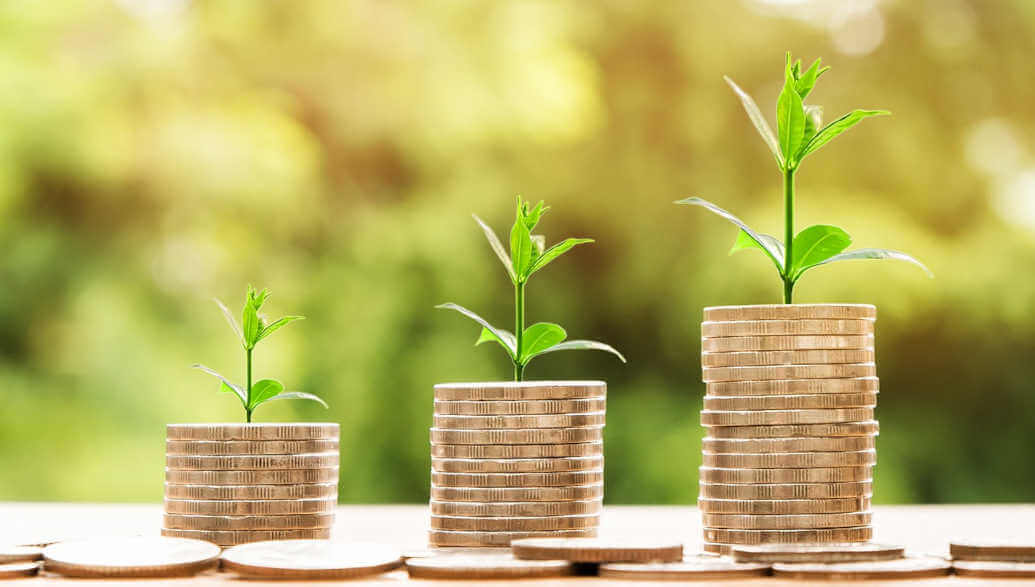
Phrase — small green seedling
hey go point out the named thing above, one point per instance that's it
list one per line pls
(800, 133)
(255, 329)
(528, 254)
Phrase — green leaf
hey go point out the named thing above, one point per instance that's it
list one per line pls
(263, 390)
(497, 247)
(538, 245)
(790, 116)
(299, 395)
(500, 334)
(556, 251)
(804, 83)
(520, 248)
(837, 127)
(816, 244)
(580, 345)
(539, 337)
(251, 324)
(230, 319)
(877, 254)
(772, 247)
(531, 216)
(813, 121)
(504, 338)
(226, 384)
(277, 325)
(758, 120)
(745, 241)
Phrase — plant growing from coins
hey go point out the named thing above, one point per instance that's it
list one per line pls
(528, 254)
(254, 328)
(799, 133)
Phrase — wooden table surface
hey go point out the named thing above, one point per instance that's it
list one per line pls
(923, 529)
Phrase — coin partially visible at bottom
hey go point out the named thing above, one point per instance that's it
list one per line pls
(904, 568)
(15, 570)
(20, 554)
(485, 566)
(131, 557)
(598, 550)
(466, 538)
(999, 550)
(699, 567)
(234, 537)
(310, 559)
(817, 553)
(994, 569)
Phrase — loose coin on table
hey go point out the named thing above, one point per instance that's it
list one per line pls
(904, 568)
(473, 538)
(792, 460)
(131, 557)
(485, 567)
(20, 554)
(994, 569)
(817, 553)
(598, 550)
(22, 569)
(310, 559)
(792, 312)
(783, 506)
(699, 567)
(985, 550)
(761, 491)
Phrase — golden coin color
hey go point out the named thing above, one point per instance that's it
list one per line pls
(793, 387)
(519, 422)
(234, 537)
(815, 401)
(526, 436)
(511, 494)
(786, 521)
(772, 358)
(771, 445)
(517, 451)
(22, 569)
(303, 560)
(253, 477)
(250, 507)
(727, 536)
(833, 475)
(791, 460)
(781, 417)
(984, 550)
(598, 550)
(516, 479)
(781, 372)
(903, 568)
(783, 506)
(722, 329)
(692, 568)
(737, 344)
(518, 407)
(20, 554)
(787, 490)
(251, 431)
(792, 312)
(516, 509)
(251, 492)
(868, 428)
(130, 557)
(525, 390)
(994, 569)
(513, 524)
(286, 522)
(516, 465)
(485, 567)
(245, 462)
(248, 447)
(469, 538)
(817, 553)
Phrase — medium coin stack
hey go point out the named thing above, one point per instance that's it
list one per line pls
(791, 434)
(236, 483)
(516, 460)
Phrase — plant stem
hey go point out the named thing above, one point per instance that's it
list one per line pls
(248, 394)
(788, 207)
(519, 328)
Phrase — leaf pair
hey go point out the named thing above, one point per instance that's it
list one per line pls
(262, 391)
(254, 326)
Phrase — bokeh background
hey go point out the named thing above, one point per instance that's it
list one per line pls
(155, 154)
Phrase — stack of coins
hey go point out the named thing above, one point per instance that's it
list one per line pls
(516, 460)
(791, 435)
(237, 483)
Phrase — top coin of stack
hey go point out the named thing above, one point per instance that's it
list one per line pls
(237, 483)
(516, 460)
(791, 434)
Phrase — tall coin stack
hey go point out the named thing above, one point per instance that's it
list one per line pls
(791, 434)
(516, 460)
(237, 483)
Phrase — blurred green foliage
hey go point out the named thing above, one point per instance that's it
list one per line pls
(155, 154)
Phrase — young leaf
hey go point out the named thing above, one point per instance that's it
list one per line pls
(277, 325)
(226, 383)
(497, 247)
(299, 395)
(837, 127)
(804, 83)
(757, 119)
(531, 216)
(813, 121)
(500, 334)
(790, 116)
(230, 318)
(504, 338)
(580, 345)
(250, 322)
(539, 337)
(877, 254)
(555, 251)
(520, 247)
(770, 245)
(745, 241)
(263, 390)
(816, 244)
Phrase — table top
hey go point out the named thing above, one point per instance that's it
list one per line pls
(922, 529)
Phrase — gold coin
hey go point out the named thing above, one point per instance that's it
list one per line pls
(786, 521)
(24, 569)
(514, 524)
(985, 550)
(868, 428)
(20, 554)
(249, 507)
(513, 494)
(598, 550)
(783, 506)
(780, 372)
(471, 538)
(245, 462)
(254, 477)
(834, 475)
(713, 548)
(516, 465)
(792, 312)
(781, 417)
(720, 329)
(994, 569)
(817, 553)
(736, 344)
(519, 422)
(793, 386)
(519, 407)
(516, 509)
(248, 447)
(791, 460)
(904, 568)
(234, 537)
(691, 568)
(525, 390)
(517, 479)
(251, 431)
(823, 490)
(817, 401)
(304, 560)
(517, 451)
(774, 445)
(268, 522)
(771, 358)
(250, 492)
(130, 557)
(485, 567)
(727, 536)
(526, 436)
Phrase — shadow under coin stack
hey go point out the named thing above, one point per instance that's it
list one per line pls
(516, 460)
(791, 446)
(237, 483)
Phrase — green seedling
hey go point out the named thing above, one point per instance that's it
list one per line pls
(252, 329)
(800, 133)
(528, 254)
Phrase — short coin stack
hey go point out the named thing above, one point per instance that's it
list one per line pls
(237, 483)
(516, 460)
(791, 435)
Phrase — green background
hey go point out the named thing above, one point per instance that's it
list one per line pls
(154, 155)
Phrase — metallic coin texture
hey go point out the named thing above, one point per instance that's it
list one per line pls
(793, 386)
(867, 428)
(251, 492)
(782, 372)
(732, 536)
(517, 479)
(519, 422)
(234, 537)
(517, 451)
(994, 569)
(485, 567)
(738, 344)
(511, 494)
(767, 476)
(251, 432)
(469, 538)
(785, 417)
(791, 460)
(130, 557)
(248, 447)
(773, 358)
(20, 554)
(526, 390)
(526, 436)
(791, 312)
(786, 522)
(760, 491)
(519, 407)
(817, 553)
(719, 329)
(515, 524)
(253, 477)
(17, 570)
(783, 506)
(815, 401)
(598, 550)
(286, 522)
(787, 445)
(905, 568)
(246, 462)
(277, 507)
(310, 560)
(987, 550)
(547, 465)
(699, 568)
(516, 509)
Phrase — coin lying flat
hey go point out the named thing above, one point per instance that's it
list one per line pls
(867, 428)
(822, 490)
(519, 422)
(517, 451)
(233, 537)
(485, 567)
(310, 431)
(783, 506)
(547, 465)
(245, 462)
(790, 460)
(286, 522)
(787, 445)
(519, 407)
(817, 553)
(525, 436)
(739, 344)
(251, 492)
(248, 447)
(700, 567)
(985, 550)
(772, 358)
(713, 549)
(598, 550)
(310, 559)
(471, 538)
(22, 569)
(731, 536)
(512, 494)
(832, 475)
(526, 390)
(277, 507)
(130, 557)
(783, 417)
(791, 402)
(517, 479)
(994, 569)
(20, 554)
(514, 524)
(793, 386)
(904, 568)
(253, 477)
(516, 509)
(786, 521)
(780, 372)
(792, 312)
(719, 329)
